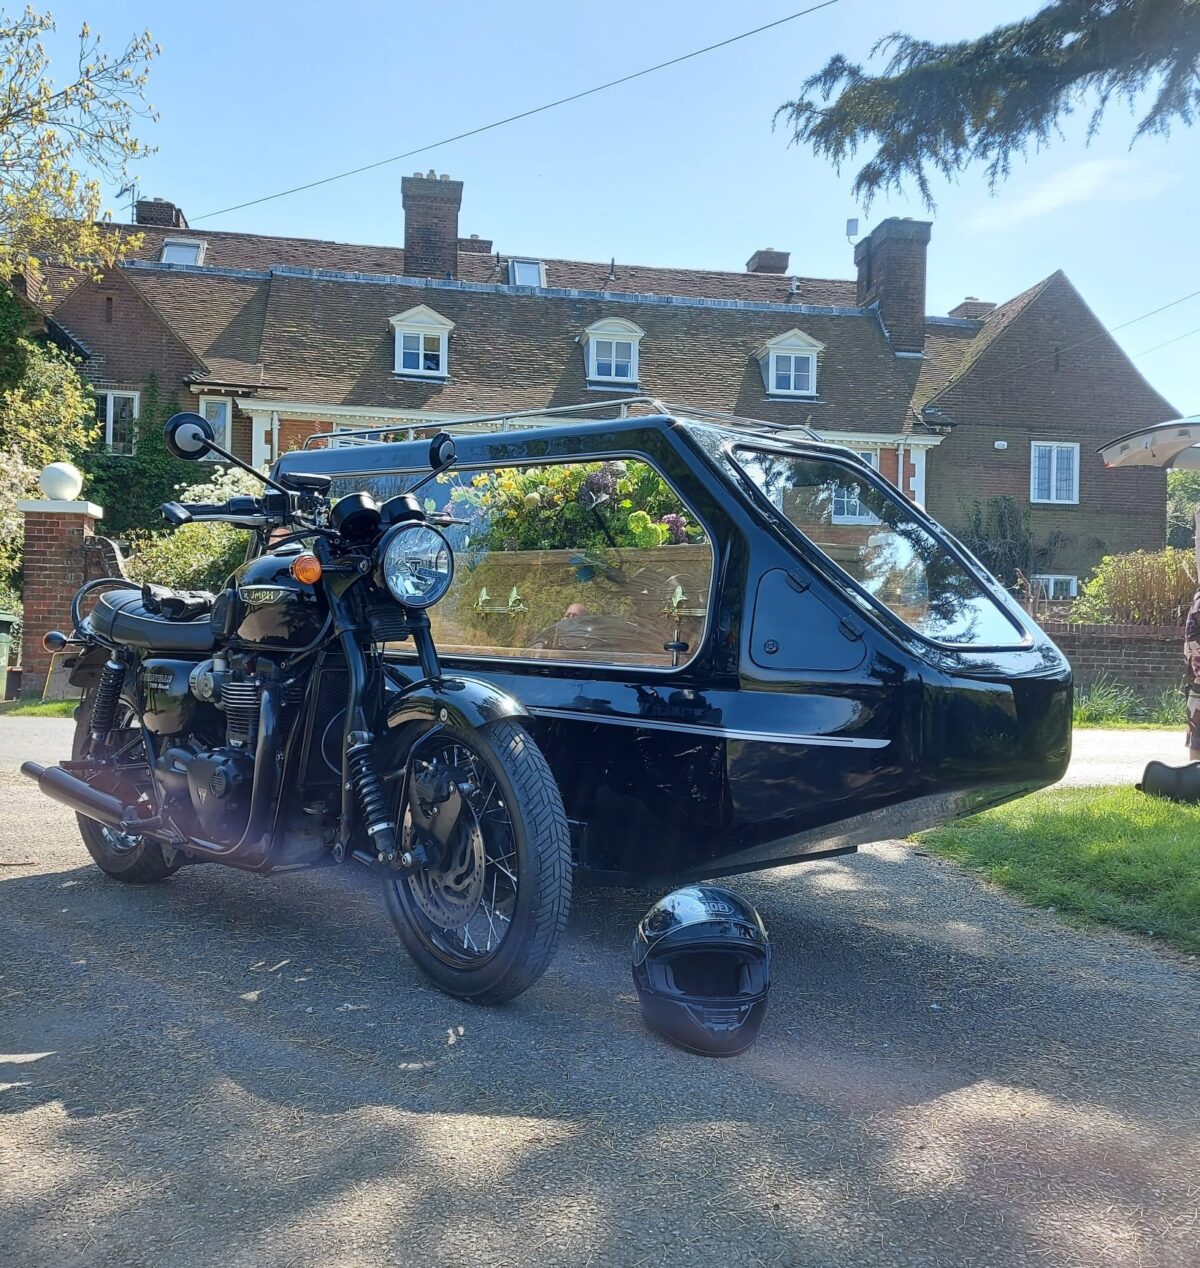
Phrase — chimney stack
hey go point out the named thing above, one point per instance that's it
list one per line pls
(891, 273)
(768, 260)
(431, 206)
(157, 211)
(972, 307)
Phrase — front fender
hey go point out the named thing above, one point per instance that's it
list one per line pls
(463, 702)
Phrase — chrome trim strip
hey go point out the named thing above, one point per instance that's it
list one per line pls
(712, 732)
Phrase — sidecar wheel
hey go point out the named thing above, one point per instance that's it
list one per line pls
(483, 921)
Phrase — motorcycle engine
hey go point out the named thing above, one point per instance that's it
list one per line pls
(217, 777)
(219, 784)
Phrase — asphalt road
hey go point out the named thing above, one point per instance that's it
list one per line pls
(232, 1072)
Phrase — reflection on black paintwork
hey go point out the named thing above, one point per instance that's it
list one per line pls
(873, 536)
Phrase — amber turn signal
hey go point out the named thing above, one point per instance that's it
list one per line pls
(54, 640)
(307, 569)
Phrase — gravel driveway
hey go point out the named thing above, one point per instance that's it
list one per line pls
(239, 1073)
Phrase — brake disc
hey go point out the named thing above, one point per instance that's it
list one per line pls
(450, 892)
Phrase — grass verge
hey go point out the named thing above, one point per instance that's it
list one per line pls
(1109, 855)
(38, 708)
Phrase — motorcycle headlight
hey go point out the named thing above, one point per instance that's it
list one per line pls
(417, 565)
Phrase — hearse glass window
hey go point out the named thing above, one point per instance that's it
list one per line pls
(599, 562)
(884, 548)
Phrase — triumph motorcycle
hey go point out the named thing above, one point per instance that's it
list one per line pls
(264, 728)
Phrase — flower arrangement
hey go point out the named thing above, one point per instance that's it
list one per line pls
(585, 506)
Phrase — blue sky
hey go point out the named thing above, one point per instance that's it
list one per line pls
(682, 167)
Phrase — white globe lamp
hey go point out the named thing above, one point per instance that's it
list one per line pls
(61, 481)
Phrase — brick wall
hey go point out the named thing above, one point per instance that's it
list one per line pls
(430, 225)
(1053, 374)
(55, 567)
(1147, 658)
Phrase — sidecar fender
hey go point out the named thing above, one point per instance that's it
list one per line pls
(463, 702)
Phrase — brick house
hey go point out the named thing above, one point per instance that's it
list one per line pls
(276, 338)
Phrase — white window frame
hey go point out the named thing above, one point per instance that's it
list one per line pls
(1047, 582)
(612, 331)
(1054, 446)
(198, 243)
(108, 394)
(226, 440)
(871, 458)
(515, 264)
(798, 346)
(422, 323)
(776, 390)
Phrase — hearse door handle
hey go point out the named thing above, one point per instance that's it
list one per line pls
(676, 648)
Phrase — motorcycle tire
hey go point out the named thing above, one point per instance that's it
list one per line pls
(134, 860)
(508, 761)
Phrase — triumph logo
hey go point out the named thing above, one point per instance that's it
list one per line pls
(260, 596)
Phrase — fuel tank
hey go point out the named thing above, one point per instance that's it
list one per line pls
(273, 610)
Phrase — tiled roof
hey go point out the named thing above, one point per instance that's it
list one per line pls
(330, 342)
(220, 317)
(259, 317)
(254, 251)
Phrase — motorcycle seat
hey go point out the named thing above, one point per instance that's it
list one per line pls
(122, 616)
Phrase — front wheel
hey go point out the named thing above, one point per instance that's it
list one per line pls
(483, 910)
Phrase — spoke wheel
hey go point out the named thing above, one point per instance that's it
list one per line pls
(123, 855)
(483, 909)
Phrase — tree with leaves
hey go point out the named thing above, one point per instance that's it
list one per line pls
(935, 108)
(58, 140)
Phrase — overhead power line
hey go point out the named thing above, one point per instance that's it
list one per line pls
(524, 114)
(1187, 334)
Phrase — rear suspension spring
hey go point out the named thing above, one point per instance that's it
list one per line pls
(372, 800)
(107, 698)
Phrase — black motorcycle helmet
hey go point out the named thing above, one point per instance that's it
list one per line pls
(702, 967)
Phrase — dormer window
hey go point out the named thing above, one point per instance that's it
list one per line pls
(422, 339)
(181, 251)
(610, 349)
(526, 273)
(789, 364)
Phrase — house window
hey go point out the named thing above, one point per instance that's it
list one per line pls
(526, 273)
(793, 372)
(611, 351)
(848, 504)
(1054, 473)
(181, 251)
(422, 342)
(117, 412)
(219, 412)
(1056, 586)
(789, 364)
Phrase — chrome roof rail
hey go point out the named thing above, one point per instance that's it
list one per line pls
(547, 416)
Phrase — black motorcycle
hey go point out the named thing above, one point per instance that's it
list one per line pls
(264, 728)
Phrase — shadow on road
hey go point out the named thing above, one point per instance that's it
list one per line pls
(231, 1070)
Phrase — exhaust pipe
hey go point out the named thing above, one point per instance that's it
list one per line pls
(82, 798)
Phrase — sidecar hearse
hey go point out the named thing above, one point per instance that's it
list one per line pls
(739, 647)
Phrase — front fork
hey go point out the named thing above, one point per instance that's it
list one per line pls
(361, 780)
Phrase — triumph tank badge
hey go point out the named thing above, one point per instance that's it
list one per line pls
(260, 596)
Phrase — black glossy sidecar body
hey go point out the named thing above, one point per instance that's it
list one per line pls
(739, 646)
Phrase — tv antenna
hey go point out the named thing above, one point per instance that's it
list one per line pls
(132, 190)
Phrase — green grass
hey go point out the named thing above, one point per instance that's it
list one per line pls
(1109, 855)
(38, 708)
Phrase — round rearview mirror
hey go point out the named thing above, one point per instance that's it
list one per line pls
(188, 436)
(441, 450)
